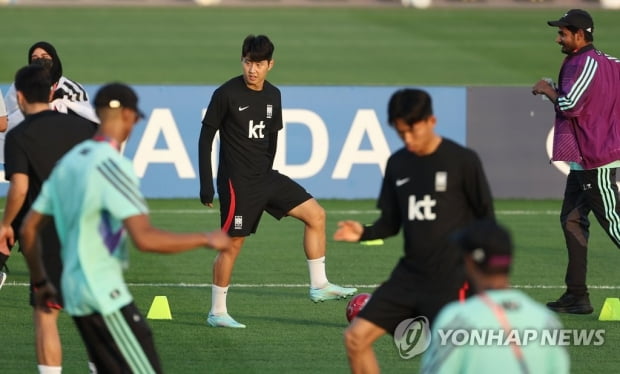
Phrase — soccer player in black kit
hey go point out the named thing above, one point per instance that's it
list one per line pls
(247, 111)
(31, 151)
(432, 188)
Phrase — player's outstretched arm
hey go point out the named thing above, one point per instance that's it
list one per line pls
(151, 239)
(349, 231)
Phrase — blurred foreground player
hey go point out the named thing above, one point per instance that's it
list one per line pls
(32, 150)
(496, 312)
(432, 187)
(94, 199)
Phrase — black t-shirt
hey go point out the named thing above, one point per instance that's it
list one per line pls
(37, 143)
(245, 118)
(432, 197)
(248, 122)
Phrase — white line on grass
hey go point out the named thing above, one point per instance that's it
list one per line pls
(358, 212)
(355, 212)
(304, 285)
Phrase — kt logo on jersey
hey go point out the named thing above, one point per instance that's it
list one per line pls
(421, 209)
(255, 131)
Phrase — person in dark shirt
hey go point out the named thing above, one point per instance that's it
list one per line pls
(68, 96)
(432, 188)
(587, 136)
(31, 151)
(247, 112)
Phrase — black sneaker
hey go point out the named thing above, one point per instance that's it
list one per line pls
(570, 303)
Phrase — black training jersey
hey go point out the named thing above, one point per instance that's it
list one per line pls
(34, 147)
(430, 198)
(245, 119)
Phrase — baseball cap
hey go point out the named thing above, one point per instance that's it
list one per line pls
(117, 95)
(578, 18)
(489, 245)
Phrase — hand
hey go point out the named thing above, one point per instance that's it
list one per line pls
(45, 297)
(210, 205)
(218, 240)
(349, 231)
(540, 87)
(7, 239)
(545, 87)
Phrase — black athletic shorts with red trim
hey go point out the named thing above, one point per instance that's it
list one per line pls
(404, 296)
(243, 200)
(120, 342)
(50, 255)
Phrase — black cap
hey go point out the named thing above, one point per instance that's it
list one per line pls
(578, 18)
(117, 95)
(489, 246)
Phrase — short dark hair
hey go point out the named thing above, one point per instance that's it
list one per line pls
(34, 82)
(411, 105)
(257, 48)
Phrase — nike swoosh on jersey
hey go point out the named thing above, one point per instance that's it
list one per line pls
(242, 108)
(400, 182)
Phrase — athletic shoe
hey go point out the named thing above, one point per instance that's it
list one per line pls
(570, 303)
(331, 292)
(223, 320)
(2, 278)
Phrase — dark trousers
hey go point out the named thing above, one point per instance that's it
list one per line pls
(120, 342)
(587, 191)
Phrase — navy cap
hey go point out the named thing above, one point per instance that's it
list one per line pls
(578, 18)
(117, 95)
(489, 245)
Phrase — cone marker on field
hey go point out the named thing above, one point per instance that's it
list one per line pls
(610, 310)
(159, 308)
(372, 242)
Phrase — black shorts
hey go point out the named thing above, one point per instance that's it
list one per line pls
(403, 296)
(121, 342)
(242, 201)
(50, 254)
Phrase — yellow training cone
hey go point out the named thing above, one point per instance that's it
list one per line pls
(610, 310)
(372, 242)
(159, 309)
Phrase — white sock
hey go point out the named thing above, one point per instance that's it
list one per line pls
(44, 369)
(218, 299)
(318, 278)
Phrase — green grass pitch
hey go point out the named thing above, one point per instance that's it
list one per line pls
(391, 46)
(287, 333)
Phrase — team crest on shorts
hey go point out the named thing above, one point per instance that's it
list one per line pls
(238, 222)
(441, 181)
